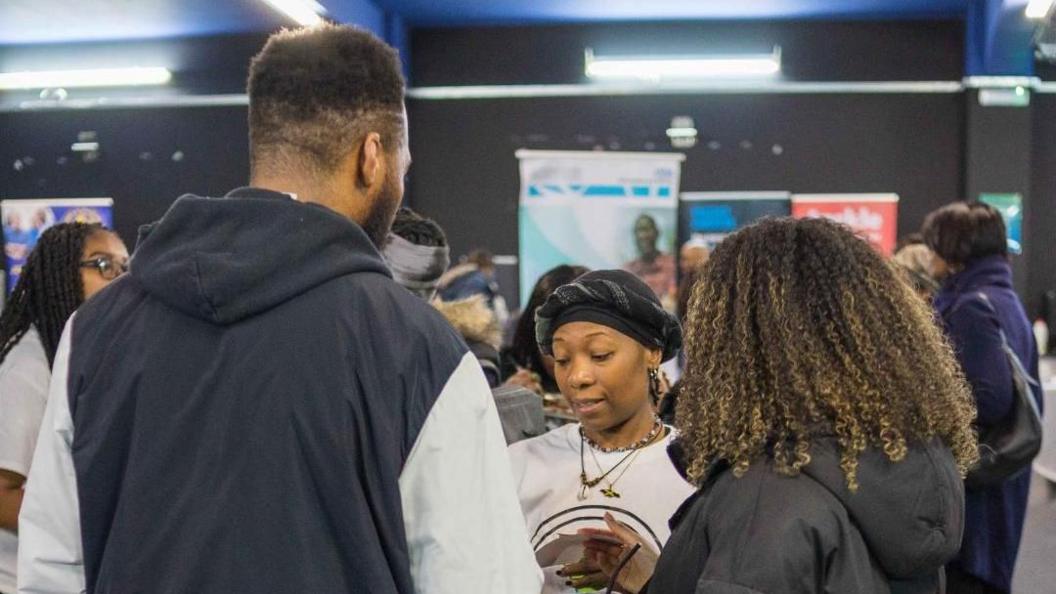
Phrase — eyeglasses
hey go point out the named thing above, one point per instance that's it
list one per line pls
(108, 267)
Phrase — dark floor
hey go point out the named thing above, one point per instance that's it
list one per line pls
(1036, 567)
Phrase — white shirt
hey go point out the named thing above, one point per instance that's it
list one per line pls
(24, 377)
(546, 472)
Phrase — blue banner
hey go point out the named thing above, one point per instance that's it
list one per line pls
(25, 220)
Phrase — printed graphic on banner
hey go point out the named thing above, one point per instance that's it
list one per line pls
(599, 210)
(706, 218)
(873, 216)
(1011, 208)
(25, 220)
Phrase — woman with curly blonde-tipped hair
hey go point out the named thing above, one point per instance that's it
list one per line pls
(824, 420)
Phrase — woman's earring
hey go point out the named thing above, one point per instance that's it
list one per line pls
(654, 385)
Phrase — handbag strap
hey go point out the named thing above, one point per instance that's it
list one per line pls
(1013, 358)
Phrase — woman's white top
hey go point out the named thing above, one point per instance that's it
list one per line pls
(546, 472)
(24, 377)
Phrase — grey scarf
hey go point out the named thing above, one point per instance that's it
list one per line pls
(416, 267)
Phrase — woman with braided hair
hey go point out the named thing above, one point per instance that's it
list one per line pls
(70, 263)
(824, 420)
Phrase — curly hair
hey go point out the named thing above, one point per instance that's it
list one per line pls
(314, 92)
(417, 229)
(800, 330)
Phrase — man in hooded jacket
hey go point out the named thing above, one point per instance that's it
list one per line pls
(257, 406)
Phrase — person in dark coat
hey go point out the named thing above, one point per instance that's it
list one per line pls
(824, 421)
(257, 406)
(971, 254)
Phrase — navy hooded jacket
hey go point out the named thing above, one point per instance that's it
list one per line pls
(993, 517)
(258, 407)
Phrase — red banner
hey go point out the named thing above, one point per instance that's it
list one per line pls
(873, 216)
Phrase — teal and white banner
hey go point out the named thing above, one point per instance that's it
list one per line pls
(600, 210)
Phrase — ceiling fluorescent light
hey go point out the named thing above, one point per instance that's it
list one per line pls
(1039, 9)
(96, 77)
(303, 12)
(682, 67)
(681, 132)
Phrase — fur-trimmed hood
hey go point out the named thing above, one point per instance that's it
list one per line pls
(473, 319)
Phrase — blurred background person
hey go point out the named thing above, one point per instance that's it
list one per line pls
(416, 252)
(70, 263)
(479, 328)
(475, 275)
(977, 303)
(914, 261)
(693, 254)
(652, 265)
(524, 362)
(823, 419)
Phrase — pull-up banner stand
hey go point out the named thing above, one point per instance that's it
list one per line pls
(600, 210)
(709, 217)
(873, 216)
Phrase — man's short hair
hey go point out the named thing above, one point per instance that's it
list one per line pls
(417, 229)
(314, 93)
(965, 231)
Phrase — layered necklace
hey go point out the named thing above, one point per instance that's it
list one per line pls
(586, 484)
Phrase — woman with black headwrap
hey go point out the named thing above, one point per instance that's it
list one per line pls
(607, 334)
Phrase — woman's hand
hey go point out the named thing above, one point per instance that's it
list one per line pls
(608, 556)
(584, 573)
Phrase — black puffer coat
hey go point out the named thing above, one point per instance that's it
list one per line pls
(766, 533)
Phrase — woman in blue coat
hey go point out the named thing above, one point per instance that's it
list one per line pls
(970, 244)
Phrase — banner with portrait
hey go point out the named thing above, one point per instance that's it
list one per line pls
(599, 210)
(25, 220)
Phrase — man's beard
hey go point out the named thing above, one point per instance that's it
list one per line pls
(382, 212)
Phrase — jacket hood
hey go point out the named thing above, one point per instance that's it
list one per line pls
(910, 513)
(473, 319)
(225, 259)
(456, 272)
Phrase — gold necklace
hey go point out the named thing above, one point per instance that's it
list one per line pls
(610, 491)
(586, 484)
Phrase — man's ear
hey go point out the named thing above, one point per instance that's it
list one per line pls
(370, 169)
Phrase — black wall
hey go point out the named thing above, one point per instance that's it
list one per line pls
(811, 50)
(465, 172)
(135, 165)
(1041, 216)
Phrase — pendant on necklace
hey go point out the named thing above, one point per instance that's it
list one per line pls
(582, 495)
(610, 492)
